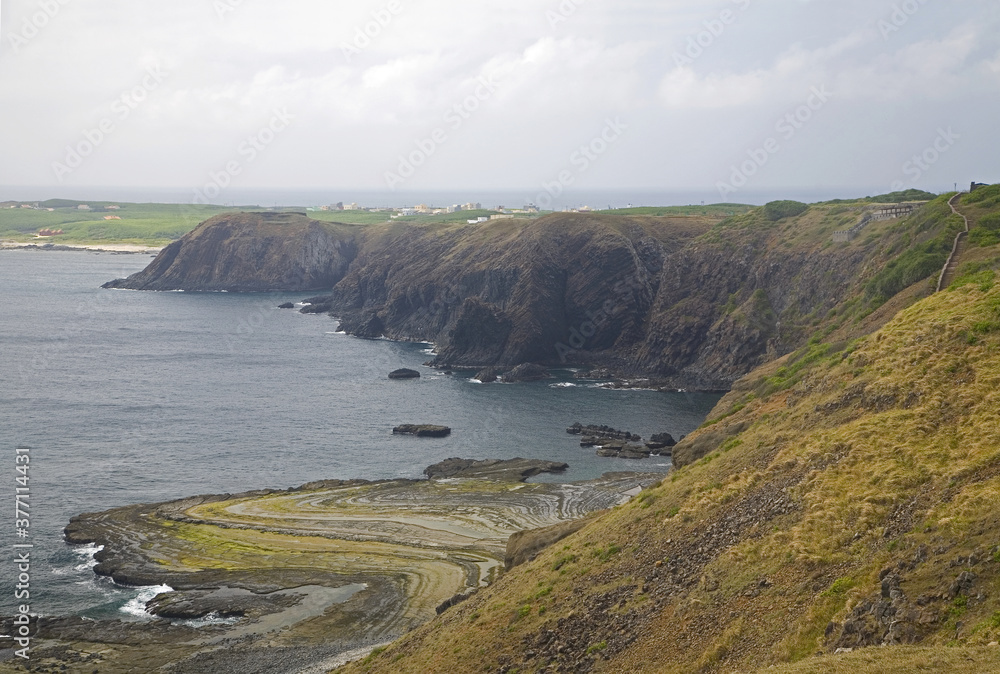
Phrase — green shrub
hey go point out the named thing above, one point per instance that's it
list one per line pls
(604, 554)
(563, 560)
(839, 587)
(899, 197)
(984, 238)
(778, 210)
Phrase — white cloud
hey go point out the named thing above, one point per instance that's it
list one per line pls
(554, 86)
(683, 89)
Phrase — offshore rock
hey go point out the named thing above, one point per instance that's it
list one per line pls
(594, 431)
(425, 431)
(404, 374)
(661, 441)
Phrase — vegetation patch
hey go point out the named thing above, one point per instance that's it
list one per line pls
(986, 232)
(779, 210)
(929, 239)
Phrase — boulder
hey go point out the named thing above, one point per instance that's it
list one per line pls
(661, 440)
(286, 305)
(594, 431)
(422, 431)
(404, 374)
(525, 373)
(487, 376)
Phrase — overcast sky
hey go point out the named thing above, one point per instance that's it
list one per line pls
(664, 94)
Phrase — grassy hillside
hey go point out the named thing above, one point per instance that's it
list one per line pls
(850, 503)
(149, 224)
(764, 283)
(714, 210)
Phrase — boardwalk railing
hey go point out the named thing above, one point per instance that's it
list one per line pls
(882, 213)
(953, 258)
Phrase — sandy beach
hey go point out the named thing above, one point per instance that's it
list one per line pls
(46, 244)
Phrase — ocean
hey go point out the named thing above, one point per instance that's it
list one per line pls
(490, 198)
(129, 397)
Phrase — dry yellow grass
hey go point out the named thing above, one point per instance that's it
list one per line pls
(885, 457)
(899, 660)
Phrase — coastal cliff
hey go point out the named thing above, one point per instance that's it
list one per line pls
(841, 518)
(512, 291)
(250, 252)
(689, 302)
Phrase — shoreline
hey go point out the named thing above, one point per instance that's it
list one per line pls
(317, 575)
(120, 248)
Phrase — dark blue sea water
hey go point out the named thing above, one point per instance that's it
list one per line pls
(128, 397)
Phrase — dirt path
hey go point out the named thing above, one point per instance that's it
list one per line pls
(950, 270)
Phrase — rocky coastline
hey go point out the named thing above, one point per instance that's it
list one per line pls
(664, 303)
(307, 573)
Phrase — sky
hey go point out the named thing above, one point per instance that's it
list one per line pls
(726, 97)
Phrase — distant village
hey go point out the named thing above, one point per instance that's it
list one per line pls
(423, 209)
(475, 210)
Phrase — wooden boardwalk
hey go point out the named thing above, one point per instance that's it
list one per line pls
(950, 270)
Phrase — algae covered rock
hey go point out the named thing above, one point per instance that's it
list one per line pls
(422, 431)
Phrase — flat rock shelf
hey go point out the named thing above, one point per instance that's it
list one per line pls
(332, 564)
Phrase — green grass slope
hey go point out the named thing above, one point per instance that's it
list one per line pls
(144, 224)
(857, 507)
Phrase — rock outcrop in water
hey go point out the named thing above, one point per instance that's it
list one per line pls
(250, 252)
(422, 431)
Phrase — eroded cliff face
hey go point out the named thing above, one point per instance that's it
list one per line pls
(250, 252)
(512, 291)
(691, 302)
(727, 306)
